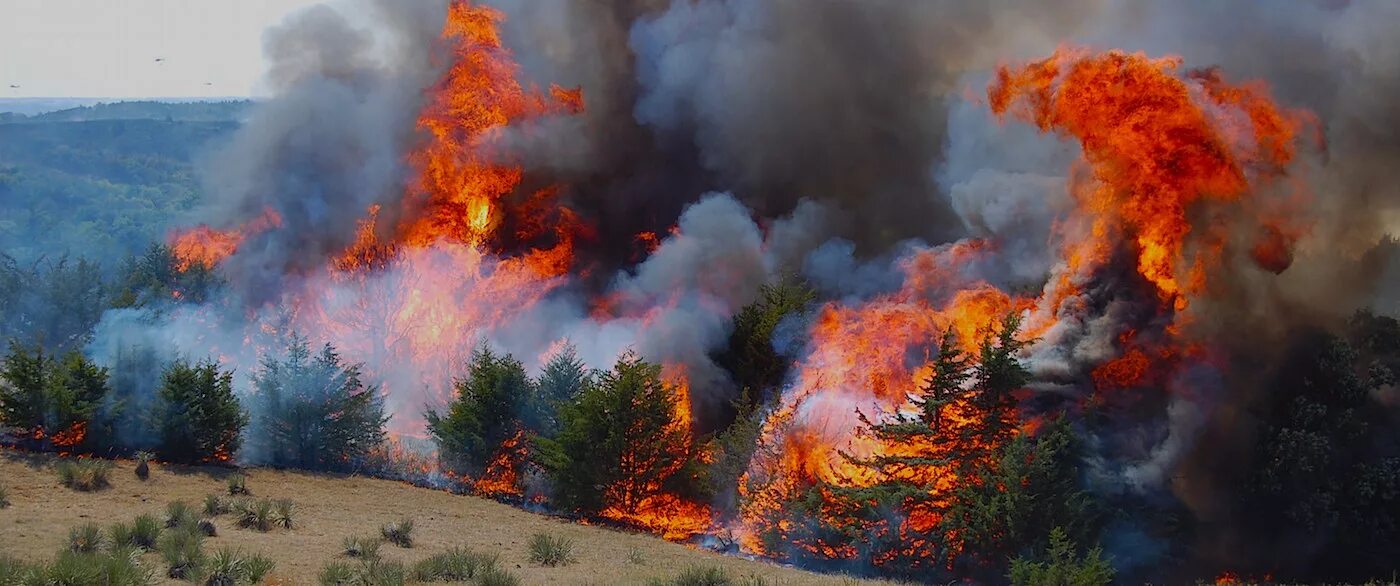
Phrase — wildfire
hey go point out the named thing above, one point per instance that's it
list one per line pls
(208, 247)
(502, 475)
(1155, 145)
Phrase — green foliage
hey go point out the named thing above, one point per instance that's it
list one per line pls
(496, 576)
(560, 383)
(283, 513)
(489, 403)
(199, 416)
(142, 533)
(399, 533)
(85, 538)
(455, 565)
(14, 571)
(179, 514)
(155, 276)
(367, 572)
(313, 412)
(119, 567)
(1062, 566)
(183, 551)
(699, 576)
(551, 550)
(619, 444)
(749, 356)
(53, 303)
(361, 547)
(40, 392)
(257, 514)
(1034, 484)
(84, 474)
(231, 567)
(215, 505)
(237, 484)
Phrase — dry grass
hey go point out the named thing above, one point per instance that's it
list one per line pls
(328, 508)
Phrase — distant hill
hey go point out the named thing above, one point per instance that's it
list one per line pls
(105, 180)
(197, 111)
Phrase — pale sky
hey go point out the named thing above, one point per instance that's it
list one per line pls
(109, 48)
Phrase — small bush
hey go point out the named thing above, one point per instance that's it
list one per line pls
(143, 464)
(145, 532)
(238, 484)
(635, 557)
(120, 567)
(254, 514)
(13, 571)
(399, 533)
(698, 576)
(85, 474)
(4, 497)
(230, 567)
(375, 572)
(361, 547)
(496, 576)
(85, 538)
(215, 505)
(179, 514)
(282, 513)
(182, 550)
(454, 565)
(548, 550)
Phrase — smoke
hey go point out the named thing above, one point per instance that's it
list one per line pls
(842, 140)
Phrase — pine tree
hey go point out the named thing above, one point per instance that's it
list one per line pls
(198, 415)
(313, 412)
(487, 411)
(560, 382)
(619, 443)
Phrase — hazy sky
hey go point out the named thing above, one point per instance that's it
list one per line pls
(109, 48)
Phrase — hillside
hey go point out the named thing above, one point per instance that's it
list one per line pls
(330, 508)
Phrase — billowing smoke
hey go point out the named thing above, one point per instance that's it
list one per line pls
(724, 143)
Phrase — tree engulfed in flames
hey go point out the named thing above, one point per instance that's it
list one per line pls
(1163, 154)
(207, 247)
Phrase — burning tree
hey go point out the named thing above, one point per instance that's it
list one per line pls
(485, 414)
(313, 412)
(51, 399)
(197, 413)
(622, 452)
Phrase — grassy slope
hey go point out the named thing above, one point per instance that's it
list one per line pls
(330, 508)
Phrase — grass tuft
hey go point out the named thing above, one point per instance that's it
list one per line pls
(182, 549)
(120, 567)
(282, 512)
(455, 565)
(259, 514)
(399, 533)
(231, 567)
(215, 505)
(4, 497)
(85, 538)
(179, 514)
(238, 484)
(549, 550)
(143, 464)
(699, 576)
(361, 547)
(85, 474)
(376, 572)
(497, 577)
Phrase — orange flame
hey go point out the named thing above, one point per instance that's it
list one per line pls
(208, 247)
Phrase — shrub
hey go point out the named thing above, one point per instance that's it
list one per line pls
(182, 550)
(399, 533)
(179, 514)
(698, 576)
(237, 484)
(230, 567)
(454, 565)
(4, 497)
(143, 464)
(497, 576)
(282, 512)
(1061, 566)
(376, 572)
(120, 567)
(207, 527)
(256, 514)
(141, 534)
(215, 505)
(485, 412)
(548, 550)
(361, 547)
(84, 474)
(200, 419)
(14, 571)
(314, 412)
(85, 538)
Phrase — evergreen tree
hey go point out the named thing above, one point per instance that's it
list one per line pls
(620, 444)
(487, 410)
(42, 394)
(313, 412)
(750, 357)
(198, 415)
(560, 383)
(1062, 566)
